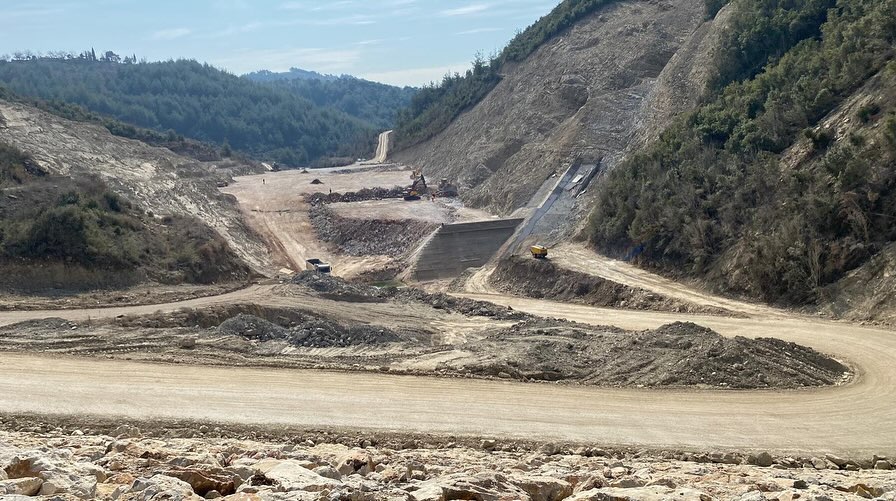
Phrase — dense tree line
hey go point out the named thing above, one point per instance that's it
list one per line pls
(196, 101)
(372, 102)
(719, 195)
(438, 104)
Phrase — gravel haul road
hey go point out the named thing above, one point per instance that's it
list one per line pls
(856, 418)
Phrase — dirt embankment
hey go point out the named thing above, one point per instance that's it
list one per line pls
(541, 279)
(592, 94)
(162, 187)
(408, 331)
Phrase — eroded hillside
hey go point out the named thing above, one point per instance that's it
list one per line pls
(158, 182)
(613, 80)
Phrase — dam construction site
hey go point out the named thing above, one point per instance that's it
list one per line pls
(624, 259)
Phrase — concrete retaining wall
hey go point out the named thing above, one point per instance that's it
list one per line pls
(456, 247)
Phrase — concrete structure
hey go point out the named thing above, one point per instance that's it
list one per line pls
(455, 247)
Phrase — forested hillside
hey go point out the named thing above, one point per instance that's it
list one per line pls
(372, 102)
(199, 102)
(435, 106)
(784, 178)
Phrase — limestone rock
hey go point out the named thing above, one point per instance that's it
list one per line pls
(160, 487)
(204, 481)
(290, 475)
(356, 461)
(652, 493)
(544, 488)
(29, 486)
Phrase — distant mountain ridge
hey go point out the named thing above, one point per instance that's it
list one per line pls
(311, 119)
(292, 74)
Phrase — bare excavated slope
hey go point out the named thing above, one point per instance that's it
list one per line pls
(156, 179)
(613, 81)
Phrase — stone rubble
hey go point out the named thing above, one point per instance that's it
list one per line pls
(66, 465)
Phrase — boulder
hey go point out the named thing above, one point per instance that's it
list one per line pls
(328, 472)
(204, 481)
(290, 475)
(29, 486)
(882, 464)
(762, 459)
(160, 487)
(355, 461)
(544, 488)
(481, 486)
(652, 493)
(77, 479)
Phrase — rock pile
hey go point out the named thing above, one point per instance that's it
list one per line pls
(62, 464)
(311, 333)
(341, 290)
(678, 354)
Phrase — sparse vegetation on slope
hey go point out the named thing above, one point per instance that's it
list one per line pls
(757, 191)
(437, 105)
(59, 232)
(197, 101)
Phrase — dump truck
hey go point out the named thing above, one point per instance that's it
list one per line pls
(539, 251)
(317, 265)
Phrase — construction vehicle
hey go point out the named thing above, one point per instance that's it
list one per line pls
(317, 265)
(418, 188)
(539, 251)
(447, 189)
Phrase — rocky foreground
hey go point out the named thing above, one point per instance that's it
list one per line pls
(63, 463)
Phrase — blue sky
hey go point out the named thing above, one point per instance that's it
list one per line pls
(401, 42)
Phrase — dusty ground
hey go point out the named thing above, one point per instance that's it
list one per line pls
(274, 205)
(525, 276)
(140, 295)
(184, 461)
(485, 342)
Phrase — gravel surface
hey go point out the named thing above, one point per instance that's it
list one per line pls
(542, 279)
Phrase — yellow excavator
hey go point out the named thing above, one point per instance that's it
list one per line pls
(418, 188)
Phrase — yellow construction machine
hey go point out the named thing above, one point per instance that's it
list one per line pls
(539, 251)
(418, 188)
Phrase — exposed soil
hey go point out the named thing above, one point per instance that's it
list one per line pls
(507, 345)
(540, 278)
(341, 290)
(679, 354)
(141, 295)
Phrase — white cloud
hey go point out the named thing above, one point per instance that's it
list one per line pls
(171, 34)
(415, 76)
(478, 30)
(465, 11)
(316, 59)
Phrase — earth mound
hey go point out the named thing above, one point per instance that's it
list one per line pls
(674, 355)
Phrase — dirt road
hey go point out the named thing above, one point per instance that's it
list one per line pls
(855, 419)
(274, 206)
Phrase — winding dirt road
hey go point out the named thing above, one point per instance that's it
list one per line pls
(858, 418)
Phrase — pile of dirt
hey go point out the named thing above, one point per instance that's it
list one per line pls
(312, 333)
(355, 196)
(338, 289)
(674, 355)
(368, 237)
(542, 279)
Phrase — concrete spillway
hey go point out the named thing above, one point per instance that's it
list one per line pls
(455, 247)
